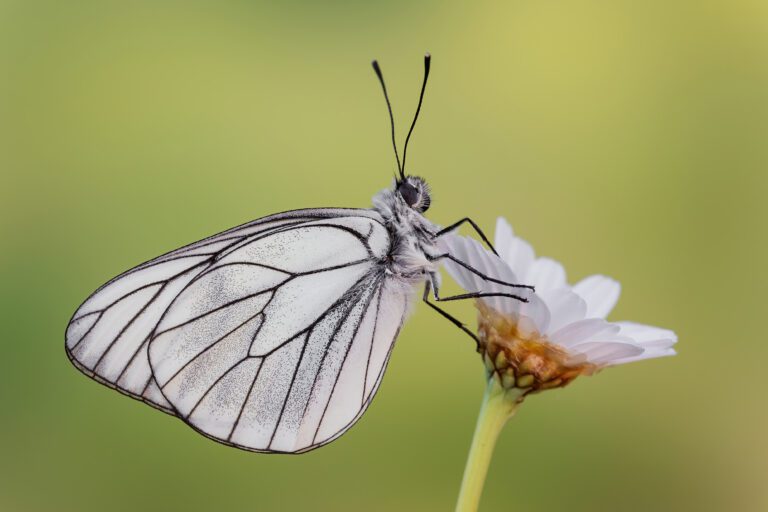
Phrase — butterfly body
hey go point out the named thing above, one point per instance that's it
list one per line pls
(412, 237)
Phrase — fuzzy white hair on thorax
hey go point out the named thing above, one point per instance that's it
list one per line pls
(412, 237)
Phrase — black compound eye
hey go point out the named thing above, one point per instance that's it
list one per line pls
(409, 193)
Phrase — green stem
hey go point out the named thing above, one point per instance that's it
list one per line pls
(498, 406)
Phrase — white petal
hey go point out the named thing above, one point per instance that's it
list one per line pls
(545, 274)
(519, 256)
(504, 234)
(461, 248)
(534, 316)
(647, 335)
(514, 250)
(492, 266)
(484, 261)
(647, 354)
(601, 294)
(651, 341)
(565, 307)
(599, 352)
(583, 331)
(474, 259)
(457, 246)
(472, 253)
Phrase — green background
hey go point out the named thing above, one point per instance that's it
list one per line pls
(620, 137)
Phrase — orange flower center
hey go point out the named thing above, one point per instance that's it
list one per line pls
(523, 358)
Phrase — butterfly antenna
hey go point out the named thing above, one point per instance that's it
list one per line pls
(427, 60)
(377, 69)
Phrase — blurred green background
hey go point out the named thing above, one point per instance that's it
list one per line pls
(621, 137)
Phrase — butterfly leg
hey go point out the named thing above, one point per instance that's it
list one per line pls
(455, 321)
(474, 225)
(431, 285)
(480, 274)
(477, 295)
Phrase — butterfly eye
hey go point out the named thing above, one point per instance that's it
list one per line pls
(409, 193)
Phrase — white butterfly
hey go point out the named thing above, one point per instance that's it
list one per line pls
(272, 336)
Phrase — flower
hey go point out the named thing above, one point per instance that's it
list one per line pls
(561, 332)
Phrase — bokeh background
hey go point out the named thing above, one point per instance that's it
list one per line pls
(621, 137)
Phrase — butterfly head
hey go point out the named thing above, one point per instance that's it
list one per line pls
(415, 192)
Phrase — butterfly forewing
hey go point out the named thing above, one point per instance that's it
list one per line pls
(272, 336)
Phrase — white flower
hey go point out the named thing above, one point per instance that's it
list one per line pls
(562, 331)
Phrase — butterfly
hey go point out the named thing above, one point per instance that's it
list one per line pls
(273, 336)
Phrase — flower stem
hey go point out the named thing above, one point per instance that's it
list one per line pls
(498, 406)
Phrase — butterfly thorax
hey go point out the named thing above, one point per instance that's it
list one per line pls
(412, 237)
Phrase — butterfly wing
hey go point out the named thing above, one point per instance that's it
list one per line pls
(108, 335)
(269, 337)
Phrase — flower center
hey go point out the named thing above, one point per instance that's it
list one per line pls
(523, 358)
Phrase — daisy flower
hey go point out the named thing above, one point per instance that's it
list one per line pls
(545, 343)
(562, 332)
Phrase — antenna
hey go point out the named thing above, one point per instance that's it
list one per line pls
(427, 59)
(391, 117)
